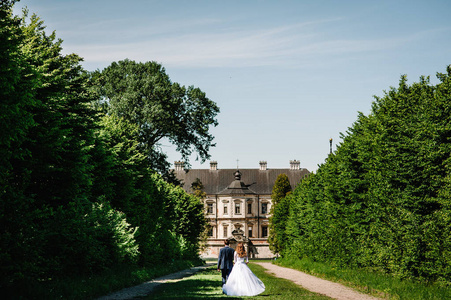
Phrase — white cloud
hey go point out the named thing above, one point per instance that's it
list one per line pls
(294, 45)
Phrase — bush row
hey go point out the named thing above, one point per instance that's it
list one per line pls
(77, 195)
(382, 199)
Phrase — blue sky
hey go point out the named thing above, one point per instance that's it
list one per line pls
(287, 75)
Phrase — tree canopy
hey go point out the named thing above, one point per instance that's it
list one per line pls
(143, 94)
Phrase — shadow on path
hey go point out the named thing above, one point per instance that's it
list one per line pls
(206, 284)
(146, 288)
(192, 288)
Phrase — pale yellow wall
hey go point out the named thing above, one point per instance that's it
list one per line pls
(231, 221)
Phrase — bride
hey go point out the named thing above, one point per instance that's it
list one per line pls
(241, 281)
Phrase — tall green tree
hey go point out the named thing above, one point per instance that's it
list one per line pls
(45, 174)
(382, 199)
(279, 213)
(143, 94)
(77, 192)
(17, 83)
(16, 89)
(64, 120)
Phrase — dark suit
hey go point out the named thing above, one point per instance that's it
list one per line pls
(225, 262)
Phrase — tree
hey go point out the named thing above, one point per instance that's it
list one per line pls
(17, 82)
(46, 134)
(279, 213)
(164, 214)
(198, 189)
(382, 200)
(76, 195)
(59, 142)
(143, 94)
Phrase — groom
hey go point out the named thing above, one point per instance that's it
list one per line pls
(225, 261)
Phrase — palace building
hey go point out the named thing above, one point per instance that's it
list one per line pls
(238, 203)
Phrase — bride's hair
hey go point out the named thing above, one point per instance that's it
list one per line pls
(240, 250)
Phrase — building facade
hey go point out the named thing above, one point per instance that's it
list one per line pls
(238, 203)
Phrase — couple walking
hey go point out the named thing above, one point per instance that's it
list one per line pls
(238, 279)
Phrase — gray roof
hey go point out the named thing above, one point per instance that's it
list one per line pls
(252, 181)
(237, 187)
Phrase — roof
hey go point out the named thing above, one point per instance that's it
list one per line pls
(237, 187)
(252, 181)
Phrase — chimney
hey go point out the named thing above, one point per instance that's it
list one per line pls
(179, 165)
(213, 165)
(263, 165)
(295, 165)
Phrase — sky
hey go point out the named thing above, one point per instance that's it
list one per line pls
(287, 75)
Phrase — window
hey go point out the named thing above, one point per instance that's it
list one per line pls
(237, 209)
(264, 231)
(264, 208)
(225, 209)
(249, 208)
(225, 231)
(249, 230)
(210, 231)
(209, 208)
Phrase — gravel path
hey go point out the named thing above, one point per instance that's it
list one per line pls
(309, 282)
(146, 288)
(315, 284)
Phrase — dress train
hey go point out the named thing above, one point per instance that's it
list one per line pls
(242, 282)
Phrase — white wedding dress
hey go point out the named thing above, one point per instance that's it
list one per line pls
(241, 281)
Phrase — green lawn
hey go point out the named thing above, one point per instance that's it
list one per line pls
(370, 281)
(206, 284)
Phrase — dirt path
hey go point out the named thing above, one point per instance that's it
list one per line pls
(309, 282)
(315, 284)
(146, 288)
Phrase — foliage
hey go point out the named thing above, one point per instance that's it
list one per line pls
(16, 96)
(77, 196)
(169, 220)
(48, 132)
(175, 221)
(198, 189)
(382, 199)
(279, 212)
(143, 94)
(84, 238)
(64, 121)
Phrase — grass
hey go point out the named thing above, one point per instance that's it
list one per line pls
(206, 284)
(370, 282)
